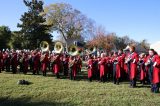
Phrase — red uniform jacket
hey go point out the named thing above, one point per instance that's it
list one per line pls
(122, 62)
(142, 69)
(26, 62)
(44, 63)
(133, 65)
(118, 66)
(74, 68)
(90, 68)
(106, 65)
(110, 65)
(56, 66)
(36, 60)
(14, 61)
(79, 63)
(102, 67)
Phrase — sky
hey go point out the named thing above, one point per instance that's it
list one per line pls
(139, 19)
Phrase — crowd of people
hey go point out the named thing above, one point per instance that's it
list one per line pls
(115, 66)
(127, 65)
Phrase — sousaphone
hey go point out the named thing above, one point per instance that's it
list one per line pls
(73, 50)
(91, 50)
(58, 47)
(44, 46)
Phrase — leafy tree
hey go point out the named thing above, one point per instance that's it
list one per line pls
(102, 40)
(33, 27)
(67, 21)
(17, 41)
(5, 36)
(144, 44)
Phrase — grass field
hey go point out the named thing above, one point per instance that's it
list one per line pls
(49, 91)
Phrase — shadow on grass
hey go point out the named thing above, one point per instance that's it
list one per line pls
(27, 102)
(81, 76)
(144, 86)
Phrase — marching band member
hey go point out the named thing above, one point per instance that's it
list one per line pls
(20, 61)
(132, 60)
(44, 62)
(73, 67)
(127, 64)
(6, 61)
(102, 67)
(142, 68)
(36, 61)
(116, 68)
(14, 62)
(90, 68)
(66, 64)
(25, 63)
(30, 55)
(56, 65)
(153, 61)
(110, 66)
(106, 67)
(122, 64)
(95, 67)
(79, 64)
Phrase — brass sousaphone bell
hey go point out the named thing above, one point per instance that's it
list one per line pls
(91, 50)
(58, 47)
(73, 50)
(44, 46)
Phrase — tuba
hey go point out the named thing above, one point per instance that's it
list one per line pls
(91, 50)
(58, 47)
(73, 50)
(44, 46)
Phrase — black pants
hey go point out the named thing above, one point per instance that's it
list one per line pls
(36, 71)
(44, 73)
(21, 67)
(65, 71)
(102, 79)
(155, 88)
(115, 80)
(14, 69)
(8, 67)
(90, 79)
(71, 75)
(150, 76)
(133, 82)
(57, 75)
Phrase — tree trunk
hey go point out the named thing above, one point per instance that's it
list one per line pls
(66, 45)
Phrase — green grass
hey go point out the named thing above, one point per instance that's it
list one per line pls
(49, 91)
